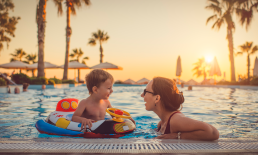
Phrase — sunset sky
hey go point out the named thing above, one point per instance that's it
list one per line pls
(146, 37)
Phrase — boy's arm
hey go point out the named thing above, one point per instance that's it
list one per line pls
(77, 116)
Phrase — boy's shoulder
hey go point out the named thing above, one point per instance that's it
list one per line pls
(84, 102)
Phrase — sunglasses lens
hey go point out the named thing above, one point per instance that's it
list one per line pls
(144, 92)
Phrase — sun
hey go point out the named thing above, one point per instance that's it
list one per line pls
(208, 58)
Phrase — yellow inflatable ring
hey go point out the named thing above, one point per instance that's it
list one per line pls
(116, 115)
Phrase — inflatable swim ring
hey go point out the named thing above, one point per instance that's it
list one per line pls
(59, 123)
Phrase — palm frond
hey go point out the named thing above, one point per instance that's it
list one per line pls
(214, 1)
(87, 2)
(239, 53)
(219, 22)
(211, 18)
(254, 50)
(58, 4)
(214, 8)
(92, 41)
(86, 58)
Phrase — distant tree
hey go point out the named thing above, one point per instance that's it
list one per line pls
(101, 37)
(249, 50)
(200, 68)
(7, 24)
(223, 12)
(31, 59)
(18, 55)
(41, 24)
(77, 54)
(70, 8)
(245, 11)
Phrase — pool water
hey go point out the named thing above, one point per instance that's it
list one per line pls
(232, 111)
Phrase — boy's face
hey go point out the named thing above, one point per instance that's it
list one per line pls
(105, 89)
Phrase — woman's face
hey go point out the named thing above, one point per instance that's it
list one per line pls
(149, 98)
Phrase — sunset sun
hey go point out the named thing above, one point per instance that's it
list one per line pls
(208, 58)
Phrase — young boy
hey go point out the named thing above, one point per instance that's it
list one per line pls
(93, 108)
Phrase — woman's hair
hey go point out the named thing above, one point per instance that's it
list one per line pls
(96, 77)
(170, 97)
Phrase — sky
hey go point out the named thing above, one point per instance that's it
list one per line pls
(146, 37)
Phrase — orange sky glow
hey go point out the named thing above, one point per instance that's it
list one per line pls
(146, 37)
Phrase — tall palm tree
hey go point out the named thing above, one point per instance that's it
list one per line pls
(245, 11)
(249, 50)
(18, 55)
(101, 37)
(223, 12)
(77, 54)
(200, 68)
(41, 23)
(70, 8)
(31, 59)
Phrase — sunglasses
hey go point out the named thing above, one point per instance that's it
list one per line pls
(145, 91)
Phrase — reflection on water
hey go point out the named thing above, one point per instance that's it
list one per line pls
(232, 111)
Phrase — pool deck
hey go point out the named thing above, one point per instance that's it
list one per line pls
(126, 146)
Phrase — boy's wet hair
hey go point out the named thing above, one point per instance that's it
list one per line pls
(170, 96)
(96, 77)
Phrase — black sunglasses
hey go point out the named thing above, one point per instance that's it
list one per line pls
(145, 91)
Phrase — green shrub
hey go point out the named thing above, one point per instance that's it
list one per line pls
(254, 81)
(51, 82)
(20, 78)
(69, 81)
(2, 82)
(57, 81)
(39, 81)
(118, 82)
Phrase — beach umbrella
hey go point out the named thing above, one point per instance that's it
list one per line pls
(76, 65)
(143, 81)
(15, 65)
(129, 81)
(178, 68)
(214, 70)
(107, 65)
(255, 70)
(47, 65)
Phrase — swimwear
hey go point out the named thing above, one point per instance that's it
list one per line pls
(167, 131)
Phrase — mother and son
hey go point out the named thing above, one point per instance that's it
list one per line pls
(161, 96)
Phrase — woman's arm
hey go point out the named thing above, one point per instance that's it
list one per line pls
(190, 129)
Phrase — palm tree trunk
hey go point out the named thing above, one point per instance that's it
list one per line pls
(231, 53)
(79, 75)
(248, 68)
(41, 22)
(68, 35)
(101, 53)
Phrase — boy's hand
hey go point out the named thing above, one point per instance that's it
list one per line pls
(86, 122)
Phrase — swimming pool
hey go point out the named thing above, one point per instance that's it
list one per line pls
(232, 111)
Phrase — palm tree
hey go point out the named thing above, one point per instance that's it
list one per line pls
(70, 8)
(18, 55)
(249, 50)
(101, 37)
(41, 23)
(245, 11)
(31, 59)
(7, 24)
(200, 68)
(77, 54)
(223, 12)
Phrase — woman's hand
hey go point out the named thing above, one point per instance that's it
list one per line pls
(168, 136)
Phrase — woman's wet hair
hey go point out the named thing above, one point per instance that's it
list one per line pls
(170, 97)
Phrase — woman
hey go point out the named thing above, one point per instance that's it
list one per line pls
(162, 97)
